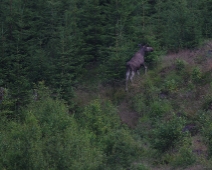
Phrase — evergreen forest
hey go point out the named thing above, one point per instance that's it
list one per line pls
(63, 104)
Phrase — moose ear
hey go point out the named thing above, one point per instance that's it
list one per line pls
(140, 45)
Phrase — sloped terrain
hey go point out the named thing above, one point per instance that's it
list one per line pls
(178, 88)
(168, 110)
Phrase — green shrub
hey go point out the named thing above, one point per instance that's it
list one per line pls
(151, 91)
(170, 85)
(159, 107)
(205, 120)
(100, 118)
(184, 157)
(163, 158)
(171, 82)
(47, 138)
(139, 166)
(196, 75)
(207, 104)
(167, 134)
(180, 65)
(117, 143)
(190, 85)
(139, 103)
(118, 95)
(206, 77)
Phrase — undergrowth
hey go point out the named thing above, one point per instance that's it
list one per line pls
(163, 122)
(173, 102)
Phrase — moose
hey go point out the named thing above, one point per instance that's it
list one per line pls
(136, 62)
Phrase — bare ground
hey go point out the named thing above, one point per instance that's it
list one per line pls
(128, 116)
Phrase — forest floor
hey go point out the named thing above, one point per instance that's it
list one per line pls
(127, 115)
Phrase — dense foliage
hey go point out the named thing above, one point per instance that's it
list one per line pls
(45, 136)
(58, 41)
(62, 65)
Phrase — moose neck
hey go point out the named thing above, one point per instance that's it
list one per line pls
(141, 51)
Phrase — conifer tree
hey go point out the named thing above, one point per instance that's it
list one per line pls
(179, 23)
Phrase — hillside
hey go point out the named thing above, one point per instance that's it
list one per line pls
(173, 103)
(163, 122)
(169, 109)
(63, 103)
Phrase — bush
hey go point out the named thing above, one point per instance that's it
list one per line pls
(100, 118)
(159, 107)
(116, 141)
(139, 167)
(196, 75)
(150, 90)
(172, 82)
(166, 134)
(139, 103)
(180, 65)
(207, 104)
(47, 138)
(184, 157)
(170, 85)
(205, 120)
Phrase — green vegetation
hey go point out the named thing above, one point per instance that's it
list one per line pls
(62, 99)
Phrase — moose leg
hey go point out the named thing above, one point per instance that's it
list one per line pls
(127, 78)
(145, 67)
(132, 75)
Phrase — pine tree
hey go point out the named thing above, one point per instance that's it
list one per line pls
(179, 23)
(14, 67)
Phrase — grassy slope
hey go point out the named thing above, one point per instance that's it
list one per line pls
(177, 89)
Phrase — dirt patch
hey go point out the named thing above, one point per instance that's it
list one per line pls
(201, 57)
(164, 71)
(199, 148)
(128, 116)
(194, 167)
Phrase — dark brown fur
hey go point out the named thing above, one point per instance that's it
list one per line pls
(136, 62)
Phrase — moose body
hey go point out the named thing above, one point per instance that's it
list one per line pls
(136, 62)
